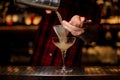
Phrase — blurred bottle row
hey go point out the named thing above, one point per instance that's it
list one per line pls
(11, 14)
(106, 50)
(110, 12)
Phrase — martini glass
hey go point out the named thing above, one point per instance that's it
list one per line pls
(63, 45)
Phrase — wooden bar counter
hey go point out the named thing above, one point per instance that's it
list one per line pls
(49, 73)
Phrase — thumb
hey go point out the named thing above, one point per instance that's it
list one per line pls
(82, 19)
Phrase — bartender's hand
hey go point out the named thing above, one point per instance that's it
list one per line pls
(75, 25)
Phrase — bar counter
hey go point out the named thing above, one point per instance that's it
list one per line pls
(49, 73)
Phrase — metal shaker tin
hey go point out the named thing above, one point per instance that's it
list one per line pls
(46, 4)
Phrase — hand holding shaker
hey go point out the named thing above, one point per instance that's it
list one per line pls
(46, 4)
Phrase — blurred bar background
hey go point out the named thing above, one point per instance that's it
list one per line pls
(18, 27)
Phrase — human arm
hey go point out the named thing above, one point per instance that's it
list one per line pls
(76, 27)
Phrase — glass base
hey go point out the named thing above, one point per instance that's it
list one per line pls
(64, 70)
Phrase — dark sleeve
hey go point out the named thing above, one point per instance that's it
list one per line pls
(90, 10)
(86, 8)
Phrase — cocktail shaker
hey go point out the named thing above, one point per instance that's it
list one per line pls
(46, 4)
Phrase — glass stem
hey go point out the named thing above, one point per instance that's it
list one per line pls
(63, 59)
